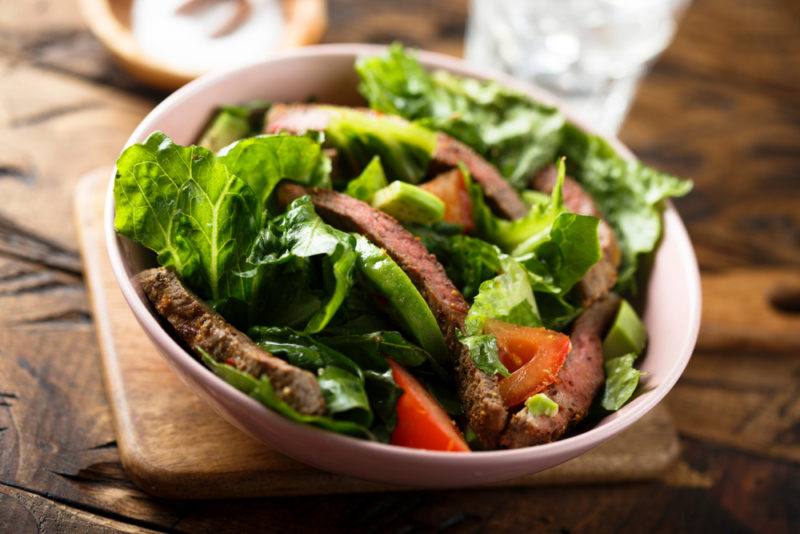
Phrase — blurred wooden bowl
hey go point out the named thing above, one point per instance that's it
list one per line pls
(110, 21)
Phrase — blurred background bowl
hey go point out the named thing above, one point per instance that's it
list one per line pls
(304, 23)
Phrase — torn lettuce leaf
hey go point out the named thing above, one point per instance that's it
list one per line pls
(404, 148)
(339, 378)
(300, 233)
(345, 395)
(621, 381)
(629, 194)
(371, 180)
(569, 250)
(485, 354)
(265, 160)
(383, 394)
(201, 213)
(520, 235)
(371, 350)
(507, 297)
(520, 136)
(261, 390)
(511, 131)
(468, 261)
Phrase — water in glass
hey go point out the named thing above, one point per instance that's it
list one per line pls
(591, 53)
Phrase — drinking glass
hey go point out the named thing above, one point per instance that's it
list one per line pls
(589, 53)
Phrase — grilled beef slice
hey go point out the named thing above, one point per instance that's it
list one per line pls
(602, 276)
(479, 395)
(501, 197)
(579, 380)
(202, 328)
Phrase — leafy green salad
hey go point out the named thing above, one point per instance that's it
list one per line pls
(448, 252)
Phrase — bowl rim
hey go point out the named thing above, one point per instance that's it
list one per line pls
(577, 443)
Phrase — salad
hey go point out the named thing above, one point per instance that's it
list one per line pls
(445, 269)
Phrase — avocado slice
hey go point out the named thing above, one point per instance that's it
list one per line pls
(225, 128)
(408, 203)
(231, 123)
(627, 334)
(541, 404)
(406, 305)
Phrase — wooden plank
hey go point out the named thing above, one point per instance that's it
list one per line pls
(157, 415)
(751, 310)
(24, 512)
(719, 107)
(748, 401)
(52, 128)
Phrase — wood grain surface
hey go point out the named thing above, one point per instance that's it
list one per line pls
(722, 106)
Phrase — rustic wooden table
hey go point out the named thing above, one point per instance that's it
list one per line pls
(721, 106)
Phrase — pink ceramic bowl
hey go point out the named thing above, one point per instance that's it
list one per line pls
(326, 72)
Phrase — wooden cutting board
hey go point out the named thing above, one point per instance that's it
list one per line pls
(173, 445)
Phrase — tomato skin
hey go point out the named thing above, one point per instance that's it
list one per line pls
(534, 356)
(450, 187)
(421, 422)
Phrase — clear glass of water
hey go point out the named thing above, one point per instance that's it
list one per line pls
(589, 53)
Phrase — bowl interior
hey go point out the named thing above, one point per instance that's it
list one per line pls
(325, 74)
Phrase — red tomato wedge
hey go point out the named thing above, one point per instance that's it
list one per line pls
(421, 422)
(533, 355)
(452, 190)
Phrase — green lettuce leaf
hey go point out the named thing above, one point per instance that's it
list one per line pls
(520, 234)
(507, 297)
(345, 394)
(263, 161)
(201, 213)
(346, 380)
(629, 194)
(371, 179)
(470, 262)
(621, 381)
(520, 136)
(514, 133)
(339, 378)
(301, 233)
(570, 249)
(261, 390)
(485, 354)
(148, 180)
(371, 350)
(383, 394)
(404, 148)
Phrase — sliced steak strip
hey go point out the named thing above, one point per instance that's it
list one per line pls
(602, 276)
(579, 380)
(202, 328)
(449, 152)
(479, 394)
(502, 198)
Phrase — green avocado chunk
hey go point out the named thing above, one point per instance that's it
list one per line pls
(408, 203)
(406, 304)
(225, 128)
(541, 404)
(627, 334)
